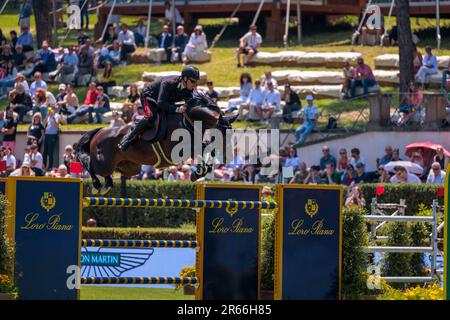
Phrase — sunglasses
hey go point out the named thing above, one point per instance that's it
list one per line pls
(193, 81)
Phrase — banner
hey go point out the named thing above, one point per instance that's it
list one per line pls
(46, 228)
(308, 242)
(2, 186)
(228, 263)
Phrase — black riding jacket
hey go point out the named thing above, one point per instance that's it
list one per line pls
(167, 91)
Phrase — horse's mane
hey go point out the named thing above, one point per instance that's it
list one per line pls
(201, 108)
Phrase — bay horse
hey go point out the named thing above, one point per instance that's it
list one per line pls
(99, 154)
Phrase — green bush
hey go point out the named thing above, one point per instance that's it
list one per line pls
(139, 233)
(267, 253)
(419, 234)
(6, 248)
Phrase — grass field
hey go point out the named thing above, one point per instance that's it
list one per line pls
(126, 293)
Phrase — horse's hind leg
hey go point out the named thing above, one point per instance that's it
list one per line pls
(97, 185)
(108, 185)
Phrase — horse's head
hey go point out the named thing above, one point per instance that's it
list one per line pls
(201, 108)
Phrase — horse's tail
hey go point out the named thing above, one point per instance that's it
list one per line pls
(82, 149)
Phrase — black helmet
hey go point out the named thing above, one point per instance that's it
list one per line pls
(191, 72)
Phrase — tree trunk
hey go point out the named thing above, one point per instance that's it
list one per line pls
(41, 9)
(405, 44)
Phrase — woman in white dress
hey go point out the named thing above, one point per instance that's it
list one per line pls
(196, 46)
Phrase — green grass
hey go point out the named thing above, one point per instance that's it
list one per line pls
(126, 293)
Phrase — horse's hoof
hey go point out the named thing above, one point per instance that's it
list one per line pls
(104, 190)
(94, 191)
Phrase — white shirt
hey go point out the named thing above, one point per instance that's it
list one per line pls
(26, 87)
(126, 38)
(431, 59)
(412, 178)
(273, 81)
(168, 14)
(175, 177)
(10, 161)
(252, 40)
(38, 158)
(273, 98)
(440, 179)
(256, 96)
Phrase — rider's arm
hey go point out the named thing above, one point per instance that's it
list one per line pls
(165, 93)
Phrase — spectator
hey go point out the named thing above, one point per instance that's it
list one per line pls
(20, 78)
(7, 78)
(68, 156)
(429, 67)
(133, 100)
(116, 121)
(45, 59)
(21, 102)
(445, 74)
(363, 78)
(36, 160)
(127, 112)
(51, 124)
(327, 158)
(101, 106)
(36, 131)
(70, 103)
(127, 43)
(441, 158)
(357, 158)
(417, 158)
(410, 105)
(249, 45)
(348, 177)
(114, 54)
(141, 33)
(361, 176)
(85, 63)
(43, 100)
(60, 172)
(310, 115)
(37, 83)
(171, 12)
(165, 41)
(110, 36)
(9, 131)
(13, 36)
(417, 60)
(20, 58)
(349, 76)
(330, 175)
(313, 175)
(292, 159)
(82, 37)
(23, 171)
(356, 198)
(174, 174)
(185, 173)
(384, 176)
(69, 63)
(10, 160)
(343, 160)
(292, 104)
(84, 10)
(26, 39)
(3, 40)
(403, 176)
(387, 157)
(245, 88)
(268, 78)
(301, 174)
(61, 94)
(436, 175)
(26, 11)
(196, 46)
(396, 155)
(393, 36)
(211, 93)
(2, 125)
(253, 104)
(106, 79)
(6, 53)
(250, 174)
(179, 45)
(237, 175)
(271, 104)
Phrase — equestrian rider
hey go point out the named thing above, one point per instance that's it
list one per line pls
(163, 94)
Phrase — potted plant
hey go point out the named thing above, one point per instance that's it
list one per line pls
(8, 290)
(187, 271)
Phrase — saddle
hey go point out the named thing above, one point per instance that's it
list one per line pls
(158, 131)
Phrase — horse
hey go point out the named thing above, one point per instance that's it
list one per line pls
(99, 154)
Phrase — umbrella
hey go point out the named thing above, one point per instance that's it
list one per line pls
(411, 167)
(428, 150)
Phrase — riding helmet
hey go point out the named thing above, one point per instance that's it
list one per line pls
(191, 72)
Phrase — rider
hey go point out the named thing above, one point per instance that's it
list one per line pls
(163, 94)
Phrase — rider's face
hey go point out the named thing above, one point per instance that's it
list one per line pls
(191, 84)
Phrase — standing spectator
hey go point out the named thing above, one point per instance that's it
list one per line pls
(45, 59)
(330, 175)
(84, 10)
(403, 176)
(343, 160)
(292, 103)
(51, 124)
(26, 39)
(310, 114)
(271, 104)
(26, 11)
(361, 176)
(249, 45)
(441, 158)
(36, 131)
(101, 106)
(363, 78)
(127, 43)
(116, 121)
(245, 88)
(37, 83)
(327, 158)
(429, 67)
(21, 102)
(10, 159)
(387, 157)
(356, 198)
(196, 46)
(9, 131)
(253, 104)
(349, 76)
(165, 41)
(36, 160)
(171, 12)
(211, 93)
(436, 175)
(179, 45)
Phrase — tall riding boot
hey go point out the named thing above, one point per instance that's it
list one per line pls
(132, 133)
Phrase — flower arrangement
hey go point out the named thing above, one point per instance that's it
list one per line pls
(187, 271)
(7, 285)
(427, 292)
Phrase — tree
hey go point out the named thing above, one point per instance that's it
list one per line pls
(405, 44)
(41, 9)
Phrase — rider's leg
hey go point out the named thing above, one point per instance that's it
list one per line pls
(132, 133)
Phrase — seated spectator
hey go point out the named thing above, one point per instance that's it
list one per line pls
(249, 45)
(268, 78)
(6, 53)
(292, 104)
(396, 155)
(384, 176)
(245, 88)
(356, 198)
(61, 94)
(20, 78)
(114, 54)
(60, 172)
(253, 104)
(292, 159)
(68, 156)
(70, 102)
(441, 158)
(363, 78)
(327, 158)
(9, 131)
(250, 174)
(196, 46)
(38, 83)
(417, 158)
(429, 67)
(387, 156)
(82, 37)
(10, 160)
(116, 121)
(179, 45)
(165, 41)
(211, 93)
(271, 103)
(13, 36)
(403, 176)
(237, 175)
(26, 39)
(133, 100)
(69, 63)
(410, 105)
(417, 59)
(348, 177)
(20, 102)
(310, 113)
(301, 174)
(36, 131)
(330, 175)
(343, 160)
(361, 175)
(349, 76)
(141, 33)
(436, 175)
(42, 101)
(100, 107)
(36, 160)
(85, 63)
(185, 173)
(127, 43)
(23, 171)
(171, 12)
(110, 36)
(313, 175)
(7, 76)
(44, 60)
(357, 158)
(20, 58)
(174, 174)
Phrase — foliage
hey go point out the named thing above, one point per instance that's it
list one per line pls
(187, 271)
(267, 252)
(139, 233)
(428, 292)
(419, 234)
(6, 253)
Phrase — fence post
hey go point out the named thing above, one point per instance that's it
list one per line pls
(123, 194)
(401, 210)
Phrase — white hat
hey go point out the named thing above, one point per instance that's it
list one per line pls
(309, 97)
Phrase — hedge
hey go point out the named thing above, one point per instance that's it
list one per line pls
(139, 233)
(6, 249)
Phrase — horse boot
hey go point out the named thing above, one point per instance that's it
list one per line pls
(132, 134)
